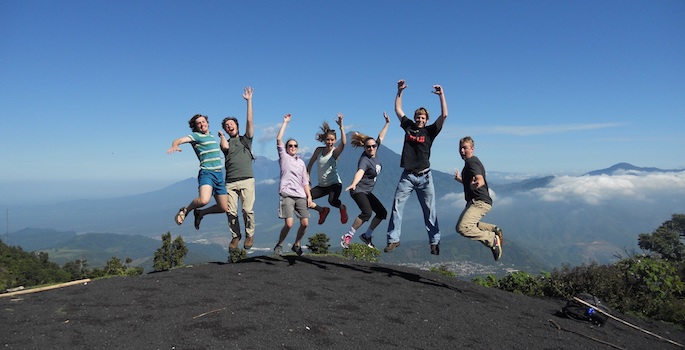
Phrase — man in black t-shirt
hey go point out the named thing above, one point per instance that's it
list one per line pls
(478, 201)
(418, 139)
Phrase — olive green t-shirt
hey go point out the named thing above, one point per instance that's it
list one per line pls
(238, 159)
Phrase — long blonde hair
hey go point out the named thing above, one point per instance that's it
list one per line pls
(359, 139)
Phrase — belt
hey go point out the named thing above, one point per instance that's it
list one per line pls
(421, 172)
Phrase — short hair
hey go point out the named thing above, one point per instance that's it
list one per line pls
(325, 131)
(359, 139)
(467, 139)
(191, 122)
(422, 110)
(223, 122)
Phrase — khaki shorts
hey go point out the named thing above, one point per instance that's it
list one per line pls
(292, 205)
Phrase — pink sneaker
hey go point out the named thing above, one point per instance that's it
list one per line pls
(345, 240)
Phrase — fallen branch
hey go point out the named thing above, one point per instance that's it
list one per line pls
(208, 312)
(54, 286)
(624, 322)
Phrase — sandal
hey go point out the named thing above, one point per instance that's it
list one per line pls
(181, 216)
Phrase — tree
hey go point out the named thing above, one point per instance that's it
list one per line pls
(170, 254)
(666, 240)
(318, 244)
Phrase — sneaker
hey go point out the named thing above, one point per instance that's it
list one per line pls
(497, 248)
(297, 249)
(343, 214)
(248, 242)
(391, 247)
(366, 241)
(498, 232)
(197, 220)
(234, 243)
(345, 240)
(435, 249)
(278, 250)
(323, 214)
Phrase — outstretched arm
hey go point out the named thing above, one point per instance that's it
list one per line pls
(281, 131)
(401, 85)
(249, 127)
(343, 137)
(357, 177)
(176, 143)
(381, 135)
(443, 105)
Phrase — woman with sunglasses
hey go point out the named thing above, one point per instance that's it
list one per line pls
(295, 195)
(326, 159)
(368, 168)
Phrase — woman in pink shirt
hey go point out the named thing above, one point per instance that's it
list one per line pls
(294, 191)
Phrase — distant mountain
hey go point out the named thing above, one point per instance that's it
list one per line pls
(626, 168)
(97, 248)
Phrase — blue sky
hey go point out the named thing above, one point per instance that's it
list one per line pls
(93, 92)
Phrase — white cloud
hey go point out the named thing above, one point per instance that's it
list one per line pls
(456, 199)
(268, 182)
(596, 190)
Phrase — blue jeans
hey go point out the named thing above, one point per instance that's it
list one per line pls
(423, 185)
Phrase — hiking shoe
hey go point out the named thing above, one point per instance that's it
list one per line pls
(498, 232)
(366, 241)
(278, 250)
(248, 242)
(435, 249)
(497, 248)
(234, 244)
(343, 214)
(345, 240)
(391, 247)
(323, 214)
(197, 220)
(297, 249)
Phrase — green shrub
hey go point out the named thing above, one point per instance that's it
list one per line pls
(489, 281)
(358, 251)
(443, 270)
(318, 244)
(236, 255)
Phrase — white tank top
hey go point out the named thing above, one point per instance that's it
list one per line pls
(328, 169)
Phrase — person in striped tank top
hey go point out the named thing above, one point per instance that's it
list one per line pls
(210, 178)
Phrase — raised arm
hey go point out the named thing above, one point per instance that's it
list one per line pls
(281, 131)
(401, 85)
(249, 127)
(343, 137)
(381, 135)
(443, 105)
(176, 143)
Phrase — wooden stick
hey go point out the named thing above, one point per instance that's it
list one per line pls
(624, 322)
(208, 312)
(35, 290)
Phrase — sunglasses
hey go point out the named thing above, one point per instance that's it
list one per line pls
(371, 146)
(292, 145)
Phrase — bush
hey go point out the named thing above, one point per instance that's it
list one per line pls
(443, 270)
(358, 251)
(318, 244)
(237, 255)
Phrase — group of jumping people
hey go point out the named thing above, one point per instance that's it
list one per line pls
(233, 182)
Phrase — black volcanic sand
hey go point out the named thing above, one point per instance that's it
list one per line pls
(303, 303)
